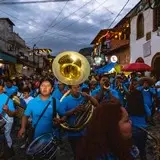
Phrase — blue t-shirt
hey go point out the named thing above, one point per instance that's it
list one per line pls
(69, 103)
(3, 99)
(10, 91)
(113, 92)
(147, 95)
(34, 109)
(138, 121)
(57, 94)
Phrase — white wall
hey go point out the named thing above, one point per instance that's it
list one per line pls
(136, 46)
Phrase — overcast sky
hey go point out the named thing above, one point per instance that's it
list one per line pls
(60, 26)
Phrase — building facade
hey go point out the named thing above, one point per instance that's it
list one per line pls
(113, 42)
(14, 53)
(145, 37)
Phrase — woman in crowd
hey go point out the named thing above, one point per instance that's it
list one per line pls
(108, 135)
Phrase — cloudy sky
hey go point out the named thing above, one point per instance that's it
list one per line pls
(68, 25)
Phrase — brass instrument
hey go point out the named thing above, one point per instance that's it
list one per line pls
(72, 68)
(20, 109)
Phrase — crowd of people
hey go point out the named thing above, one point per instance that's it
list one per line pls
(122, 106)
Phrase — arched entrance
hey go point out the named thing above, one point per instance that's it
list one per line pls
(156, 64)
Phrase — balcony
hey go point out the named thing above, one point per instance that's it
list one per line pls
(15, 38)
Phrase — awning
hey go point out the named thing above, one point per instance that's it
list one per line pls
(8, 58)
(105, 68)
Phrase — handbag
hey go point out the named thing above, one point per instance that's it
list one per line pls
(31, 129)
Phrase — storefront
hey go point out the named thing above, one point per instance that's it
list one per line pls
(7, 63)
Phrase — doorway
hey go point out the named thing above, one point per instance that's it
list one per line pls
(156, 64)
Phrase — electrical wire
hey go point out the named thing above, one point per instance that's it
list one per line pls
(62, 29)
(62, 20)
(55, 19)
(119, 13)
(30, 2)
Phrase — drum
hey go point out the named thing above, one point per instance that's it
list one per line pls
(43, 147)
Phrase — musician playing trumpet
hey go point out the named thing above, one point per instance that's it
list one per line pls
(105, 92)
(121, 89)
(73, 104)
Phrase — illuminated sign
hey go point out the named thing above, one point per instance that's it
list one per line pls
(114, 59)
(42, 52)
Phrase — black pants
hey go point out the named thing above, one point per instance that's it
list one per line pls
(74, 141)
(139, 139)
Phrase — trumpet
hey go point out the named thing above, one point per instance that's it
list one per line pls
(106, 85)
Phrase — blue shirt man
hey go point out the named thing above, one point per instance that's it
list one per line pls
(34, 109)
(70, 103)
(104, 91)
(11, 90)
(3, 99)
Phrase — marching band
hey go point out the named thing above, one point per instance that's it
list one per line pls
(101, 118)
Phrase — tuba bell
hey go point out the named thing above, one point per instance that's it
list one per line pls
(72, 68)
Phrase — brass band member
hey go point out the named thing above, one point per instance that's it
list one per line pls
(7, 110)
(73, 104)
(122, 90)
(105, 92)
(35, 108)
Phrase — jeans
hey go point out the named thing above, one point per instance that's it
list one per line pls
(7, 133)
(139, 139)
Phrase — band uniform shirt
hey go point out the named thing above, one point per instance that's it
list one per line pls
(57, 94)
(113, 92)
(69, 103)
(11, 90)
(148, 98)
(34, 109)
(3, 99)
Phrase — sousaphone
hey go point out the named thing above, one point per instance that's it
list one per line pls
(72, 68)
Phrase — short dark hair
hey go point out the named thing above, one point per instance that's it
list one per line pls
(26, 89)
(103, 75)
(46, 79)
(9, 80)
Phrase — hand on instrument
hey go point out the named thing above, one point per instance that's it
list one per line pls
(57, 121)
(21, 132)
(78, 109)
(5, 108)
(84, 94)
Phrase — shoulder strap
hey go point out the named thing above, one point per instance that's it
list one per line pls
(42, 114)
(54, 107)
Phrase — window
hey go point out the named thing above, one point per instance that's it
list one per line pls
(10, 28)
(156, 19)
(140, 26)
